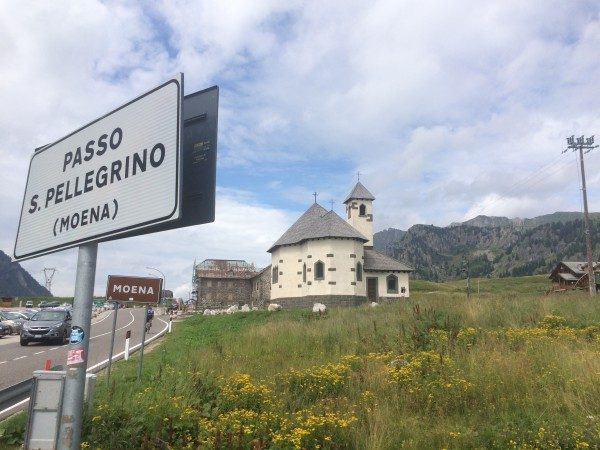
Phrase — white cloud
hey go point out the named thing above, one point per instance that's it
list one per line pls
(447, 109)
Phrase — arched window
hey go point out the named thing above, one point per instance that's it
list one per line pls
(348, 208)
(319, 270)
(392, 284)
(275, 274)
(358, 271)
(362, 210)
(304, 273)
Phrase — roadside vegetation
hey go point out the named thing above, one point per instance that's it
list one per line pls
(505, 369)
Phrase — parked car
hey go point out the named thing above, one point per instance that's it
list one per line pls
(49, 304)
(13, 320)
(4, 330)
(29, 304)
(28, 312)
(20, 314)
(172, 307)
(48, 325)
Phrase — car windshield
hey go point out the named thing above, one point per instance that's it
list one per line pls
(49, 315)
(11, 315)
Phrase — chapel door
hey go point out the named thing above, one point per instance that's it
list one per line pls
(372, 289)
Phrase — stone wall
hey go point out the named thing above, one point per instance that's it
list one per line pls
(331, 301)
(261, 288)
(217, 293)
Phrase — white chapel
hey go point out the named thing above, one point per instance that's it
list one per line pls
(323, 258)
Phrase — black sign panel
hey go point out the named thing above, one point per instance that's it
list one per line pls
(199, 160)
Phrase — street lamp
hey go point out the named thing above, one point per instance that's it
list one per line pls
(164, 282)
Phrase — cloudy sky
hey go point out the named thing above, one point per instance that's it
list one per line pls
(447, 109)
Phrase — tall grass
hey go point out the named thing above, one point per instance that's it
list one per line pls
(505, 370)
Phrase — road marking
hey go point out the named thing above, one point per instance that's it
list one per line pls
(2, 362)
(39, 352)
(20, 357)
(132, 349)
(90, 369)
(125, 326)
(54, 348)
(105, 317)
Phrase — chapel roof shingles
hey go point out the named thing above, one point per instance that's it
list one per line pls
(378, 262)
(317, 223)
(359, 192)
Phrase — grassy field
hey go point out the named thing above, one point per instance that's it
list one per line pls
(484, 287)
(510, 368)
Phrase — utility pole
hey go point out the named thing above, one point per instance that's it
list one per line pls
(164, 284)
(574, 144)
(466, 270)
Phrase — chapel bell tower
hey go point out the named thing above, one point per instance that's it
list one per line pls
(359, 211)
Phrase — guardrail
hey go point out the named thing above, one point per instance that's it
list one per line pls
(15, 393)
(14, 397)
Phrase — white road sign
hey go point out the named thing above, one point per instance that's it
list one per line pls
(117, 174)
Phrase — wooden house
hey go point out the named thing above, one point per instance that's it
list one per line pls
(568, 275)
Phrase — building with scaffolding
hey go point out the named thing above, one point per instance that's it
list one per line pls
(220, 283)
(321, 258)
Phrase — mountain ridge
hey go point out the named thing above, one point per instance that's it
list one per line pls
(490, 246)
(17, 282)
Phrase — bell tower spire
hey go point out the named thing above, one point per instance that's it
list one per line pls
(359, 210)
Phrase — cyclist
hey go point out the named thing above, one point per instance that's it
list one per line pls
(149, 317)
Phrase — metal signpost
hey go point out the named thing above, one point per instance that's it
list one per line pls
(133, 290)
(112, 342)
(127, 173)
(69, 435)
(139, 374)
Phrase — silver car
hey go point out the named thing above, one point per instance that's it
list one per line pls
(48, 325)
(13, 320)
(4, 330)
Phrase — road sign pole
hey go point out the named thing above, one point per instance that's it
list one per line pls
(112, 344)
(143, 342)
(72, 412)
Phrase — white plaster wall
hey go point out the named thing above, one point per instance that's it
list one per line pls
(291, 284)
(382, 284)
(360, 223)
(285, 258)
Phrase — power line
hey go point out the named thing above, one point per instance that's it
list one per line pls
(535, 178)
(48, 275)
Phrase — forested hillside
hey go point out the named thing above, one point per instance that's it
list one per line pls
(16, 281)
(443, 253)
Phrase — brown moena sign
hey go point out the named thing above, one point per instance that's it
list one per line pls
(133, 289)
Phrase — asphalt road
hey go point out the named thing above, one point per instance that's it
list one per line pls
(17, 363)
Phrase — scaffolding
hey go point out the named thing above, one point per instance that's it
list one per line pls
(224, 268)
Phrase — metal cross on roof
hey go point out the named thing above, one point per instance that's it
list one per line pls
(315, 194)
